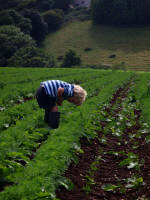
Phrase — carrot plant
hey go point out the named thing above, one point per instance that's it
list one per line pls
(40, 176)
(20, 92)
(142, 93)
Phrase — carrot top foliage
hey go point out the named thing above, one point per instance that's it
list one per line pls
(34, 157)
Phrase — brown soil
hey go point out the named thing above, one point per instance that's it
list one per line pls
(108, 170)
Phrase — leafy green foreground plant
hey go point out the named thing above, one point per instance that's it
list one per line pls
(141, 92)
(132, 161)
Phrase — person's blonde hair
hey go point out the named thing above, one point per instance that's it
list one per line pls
(80, 94)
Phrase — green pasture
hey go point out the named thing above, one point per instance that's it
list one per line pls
(130, 45)
(24, 135)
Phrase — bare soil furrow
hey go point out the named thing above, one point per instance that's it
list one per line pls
(121, 178)
(77, 173)
(80, 170)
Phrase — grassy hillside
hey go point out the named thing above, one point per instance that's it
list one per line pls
(130, 45)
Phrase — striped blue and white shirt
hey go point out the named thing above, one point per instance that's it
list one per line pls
(51, 87)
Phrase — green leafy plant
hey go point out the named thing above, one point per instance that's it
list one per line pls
(71, 59)
(109, 187)
(134, 182)
(132, 161)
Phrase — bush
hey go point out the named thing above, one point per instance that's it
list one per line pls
(12, 17)
(45, 5)
(5, 18)
(53, 18)
(26, 4)
(12, 40)
(119, 66)
(39, 27)
(6, 4)
(25, 25)
(71, 59)
(31, 57)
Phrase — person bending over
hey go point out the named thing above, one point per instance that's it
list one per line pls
(52, 93)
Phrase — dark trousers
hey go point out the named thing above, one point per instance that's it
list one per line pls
(46, 102)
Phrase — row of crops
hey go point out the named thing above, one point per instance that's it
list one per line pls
(115, 165)
(34, 157)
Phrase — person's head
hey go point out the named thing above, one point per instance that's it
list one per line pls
(79, 95)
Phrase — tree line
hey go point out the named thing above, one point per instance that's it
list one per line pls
(23, 26)
(121, 12)
(25, 23)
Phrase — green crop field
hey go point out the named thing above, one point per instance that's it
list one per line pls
(130, 45)
(101, 149)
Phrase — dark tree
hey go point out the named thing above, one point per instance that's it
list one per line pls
(6, 4)
(71, 59)
(62, 4)
(45, 5)
(39, 27)
(120, 12)
(53, 18)
(12, 40)
(12, 17)
(31, 57)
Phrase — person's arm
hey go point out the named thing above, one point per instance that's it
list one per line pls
(60, 92)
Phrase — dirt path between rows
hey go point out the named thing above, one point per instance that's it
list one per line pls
(100, 166)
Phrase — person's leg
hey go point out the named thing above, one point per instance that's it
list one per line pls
(54, 117)
(51, 110)
(46, 116)
(47, 113)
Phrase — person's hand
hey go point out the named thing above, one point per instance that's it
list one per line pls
(54, 109)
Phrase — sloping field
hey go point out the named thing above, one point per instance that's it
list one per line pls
(100, 150)
(131, 46)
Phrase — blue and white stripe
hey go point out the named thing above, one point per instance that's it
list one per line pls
(51, 87)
